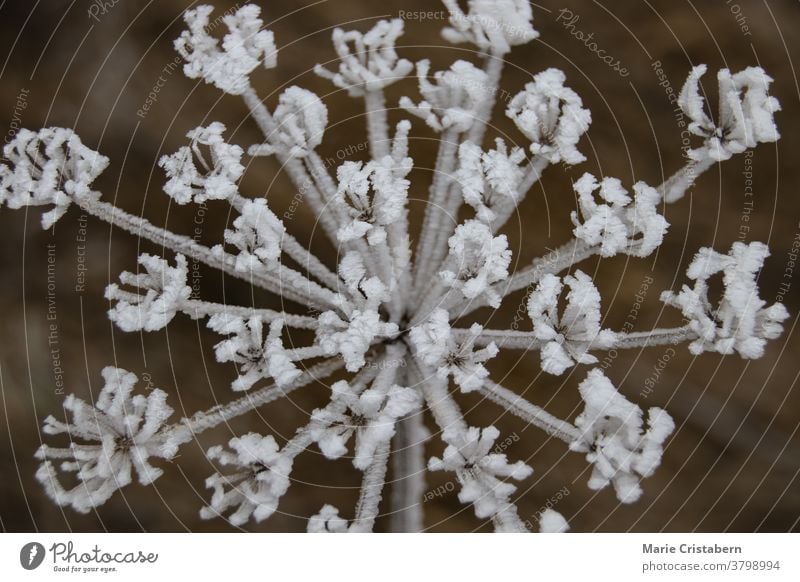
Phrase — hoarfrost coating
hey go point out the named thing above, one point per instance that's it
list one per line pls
(388, 315)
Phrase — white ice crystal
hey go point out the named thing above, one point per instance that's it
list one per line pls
(745, 115)
(216, 181)
(260, 479)
(108, 442)
(490, 180)
(381, 326)
(50, 167)
(477, 260)
(437, 348)
(492, 25)
(373, 196)
(258, 235)
(300, 120)
(371, 415)
(568, 338)
(482, 473)
(551, 116)
(618, 223)
(453, 100)
(327, 521)
(372, 62)
(244, 48)
(159, 294)
(612, 435)
(741, 322)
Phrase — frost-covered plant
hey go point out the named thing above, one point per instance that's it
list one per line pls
(387, 316)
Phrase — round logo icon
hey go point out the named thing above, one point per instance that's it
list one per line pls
(31, 555)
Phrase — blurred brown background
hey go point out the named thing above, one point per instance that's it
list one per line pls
(732, 464)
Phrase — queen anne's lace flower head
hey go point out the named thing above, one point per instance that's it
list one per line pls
(453, 100)
(745, 116)
(384, 314)
(159, 294)
(260, 480)
(108, 442)
(550, 521)
(493, 26)
(482, 473)
(244, 48)
(618, 223)
(372, 62)
(741, 322)
(569, 337)
(613, 436)
(48, 167)
(551, 116)
(436, 347)
(477, 260)
(216, 181)
(370, 415)
(490, 180)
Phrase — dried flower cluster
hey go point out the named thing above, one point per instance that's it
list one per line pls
(388, 314)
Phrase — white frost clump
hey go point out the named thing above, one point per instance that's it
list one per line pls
(482, 474)
(258, 234)
(550, 521)
(569, 337)
(371, 415)
(373, 195)
(493, 26)
(160, 293)
(612, 435)
(219, 175)
(260, 480)
(745, 116)
(108, 442)
(49, 166)
(490, 180)
(300, 121)
(618, 224)
(551, 116)
(477, 260)
(741, 322)
(327, 521)
(354, 337)
(436, 347)
(453, 100)
(257, 357)
(372, 63)
(244, 48)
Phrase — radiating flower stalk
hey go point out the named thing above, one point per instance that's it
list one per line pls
(387, 315)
